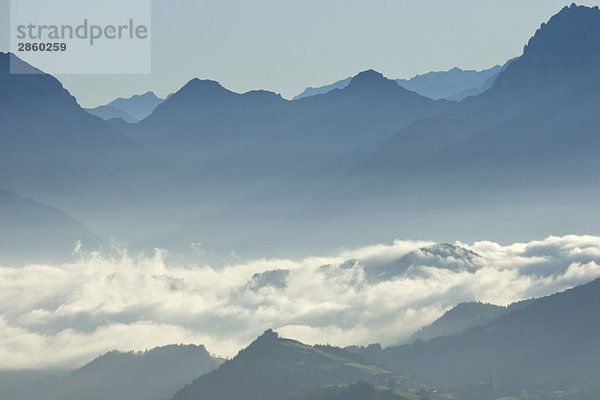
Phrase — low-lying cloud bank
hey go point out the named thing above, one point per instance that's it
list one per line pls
(65, 315)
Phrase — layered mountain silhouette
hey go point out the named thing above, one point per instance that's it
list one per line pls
(205, 108)
(132, 109)
(529, 135)
(454, 84)
(313, 91)
(236, 151)
(362, 161)
(37, 112)
(154, 374)
(235, 170)
(48, 143)
(275, 368)
(107, 113)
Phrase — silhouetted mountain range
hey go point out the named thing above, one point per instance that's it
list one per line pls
(366, 161)
(107, 112)
(47, 140)
(132, 109)
(313, 91)
(233, 170)
(521, 141)
(454, 84)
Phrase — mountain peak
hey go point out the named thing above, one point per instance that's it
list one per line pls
(369, 74)
(371, 79)
(203, 84)
(149, 95)
(269, 335)
(20, 80)
(566, 47)
(262, 96)
(10, 63)
(199, 91)
(569, 36)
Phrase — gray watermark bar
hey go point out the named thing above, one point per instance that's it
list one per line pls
(81, 36)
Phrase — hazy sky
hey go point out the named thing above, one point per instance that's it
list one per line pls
(285, 46)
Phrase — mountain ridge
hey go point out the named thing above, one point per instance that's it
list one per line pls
(453, 84)
(132, 109)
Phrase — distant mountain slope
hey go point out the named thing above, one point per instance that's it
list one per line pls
(16, 381)
(199, 101)
(55, 152)
(151, 375)
(132, 109)
(258, 138)
(33, 232)
(47, 141)
(561, 58)
(553, 340)
(323, 89)
(460, 318)
(454, 84)
(38, 112)
(272, 368)
(109, 112)
(235, 170)
(533, 132)
(483, 86)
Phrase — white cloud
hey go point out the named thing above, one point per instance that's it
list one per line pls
(65, 315)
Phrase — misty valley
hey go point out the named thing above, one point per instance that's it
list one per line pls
(370, 239)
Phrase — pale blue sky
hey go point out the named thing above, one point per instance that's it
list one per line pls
(285, 46)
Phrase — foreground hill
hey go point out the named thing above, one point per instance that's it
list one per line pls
(358, 391)
(272, 368)
(151, 375)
